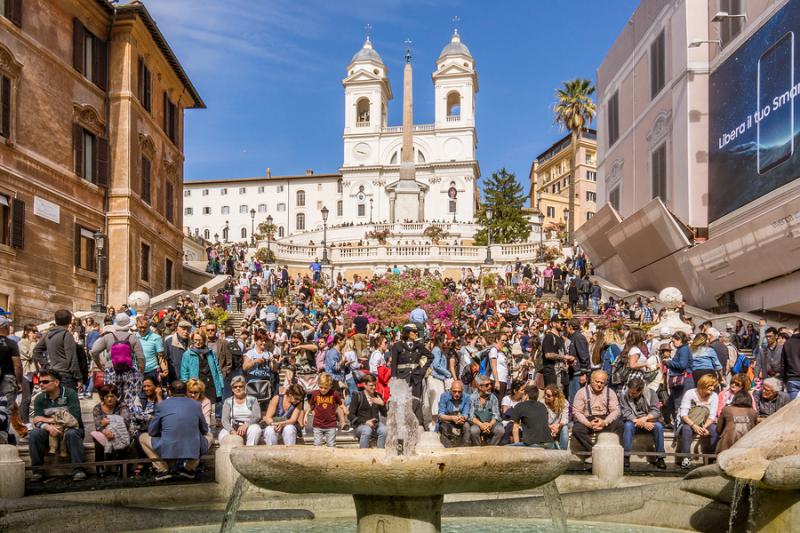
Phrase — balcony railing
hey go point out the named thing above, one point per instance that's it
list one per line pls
(362, 124)
(399, 129)
(453, 118)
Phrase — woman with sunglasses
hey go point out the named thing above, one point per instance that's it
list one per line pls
(196, 390)
(241, 414)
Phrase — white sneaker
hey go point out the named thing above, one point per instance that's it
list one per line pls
(686, 464)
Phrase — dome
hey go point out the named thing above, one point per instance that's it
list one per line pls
(455, 47)
(367, 53)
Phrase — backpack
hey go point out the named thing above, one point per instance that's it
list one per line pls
(485, 366)
(742, 364)
(236, 353)
(121, 355)
(620, 371)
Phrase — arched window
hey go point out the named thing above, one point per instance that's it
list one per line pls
(225, 234)
(244, 233)
(300, 221)
(420, 156)
(394, 158)
(339, 186)
(280, 231)
(206, 234)
(301, 198)
(453, 106)
(362, 112)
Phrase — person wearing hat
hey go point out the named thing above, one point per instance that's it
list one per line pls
(126, 375)
(410, 361)
(174, 347)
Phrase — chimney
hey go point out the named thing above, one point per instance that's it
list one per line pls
(309, 172)
(269, 172)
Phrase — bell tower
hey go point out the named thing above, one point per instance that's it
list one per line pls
(366, 96)
(455, 84)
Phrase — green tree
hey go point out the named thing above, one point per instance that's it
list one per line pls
(504, 195)
(574, 111)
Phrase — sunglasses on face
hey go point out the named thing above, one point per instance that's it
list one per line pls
(45, 381)
(238, 387)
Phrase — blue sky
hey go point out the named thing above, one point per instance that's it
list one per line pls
(270, 72)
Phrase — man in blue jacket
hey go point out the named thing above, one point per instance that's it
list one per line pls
(177, 431)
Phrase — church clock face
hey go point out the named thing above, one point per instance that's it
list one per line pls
(361, 151)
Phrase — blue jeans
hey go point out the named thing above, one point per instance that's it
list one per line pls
(687, 435)
(365, 434)
(563, 438)
(793, 388)
(595, 305)
(574, 387)
(630, 429)
(545, 445)
(39, 443)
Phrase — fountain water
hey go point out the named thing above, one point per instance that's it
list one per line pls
(401, 490)
(552, 499)
(229, 518)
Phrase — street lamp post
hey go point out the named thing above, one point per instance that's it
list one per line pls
(370, 210)
(269, 232)
(226, 233)
(325, 260)
(541, 236)
(489, 260)
(100, 256)
(252, 227)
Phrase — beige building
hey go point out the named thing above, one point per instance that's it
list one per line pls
(550, 175)
(91, 141)
(690, 192)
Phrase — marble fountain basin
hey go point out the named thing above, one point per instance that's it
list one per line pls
(373, 472)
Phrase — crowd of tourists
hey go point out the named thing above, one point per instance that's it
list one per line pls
(305, 364)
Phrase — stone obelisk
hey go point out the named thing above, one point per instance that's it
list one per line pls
(408, 202)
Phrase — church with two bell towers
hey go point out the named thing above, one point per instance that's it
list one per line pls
(399, 173)
(411, 172)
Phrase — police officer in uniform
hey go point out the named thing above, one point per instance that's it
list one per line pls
(410, 361)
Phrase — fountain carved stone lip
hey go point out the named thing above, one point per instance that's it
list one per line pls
(372, 472)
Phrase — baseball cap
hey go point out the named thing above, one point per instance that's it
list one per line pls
(3, 312)
(4, 322)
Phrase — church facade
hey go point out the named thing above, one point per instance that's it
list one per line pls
(380, 180)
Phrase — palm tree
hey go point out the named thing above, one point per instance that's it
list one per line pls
(574, 110)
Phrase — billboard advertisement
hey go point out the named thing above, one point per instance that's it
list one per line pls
(754, 120)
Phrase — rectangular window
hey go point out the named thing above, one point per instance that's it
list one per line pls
(84, 248)
(5, 102)
(591, 196)
(207, 211)
(12, 10)
(362, 210)
(261, 189)
(730, 27)
(613, 119)
(281, 207)
(145, 184)
(91, 156)
(551, 212)
(589, 215)
(242, 209)
(658, 68)
(262, 208)
(187, 211)
(242, 190)
(144, 262)
(205, 192)
(590, 157)
(170, 119)
(12, 218)
(186, 193)
(591, 175)
(168, 268)
(280, 188)
(658, 172)
(226, 210)
(223, 191)
(339, 208)
(613, 198)
(144, 86)
(319, 204)
(89, 55)
(169, 201)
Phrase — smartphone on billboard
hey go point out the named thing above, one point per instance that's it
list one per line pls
(775, 132)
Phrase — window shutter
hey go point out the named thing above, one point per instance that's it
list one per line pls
(77, 147)
(146, 185)
(169, 201)
(166, 113)
(140, 81)
(77, 45)
(134, 172)
(18, 223)
(100, 63)
(14, 11)
(101, 167)
(5, 121)
(77, 245)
